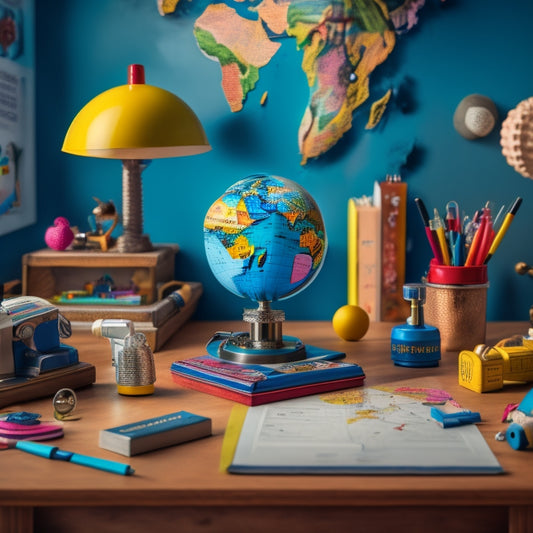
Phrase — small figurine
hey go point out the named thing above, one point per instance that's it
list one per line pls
(103, 221)
(59, 236)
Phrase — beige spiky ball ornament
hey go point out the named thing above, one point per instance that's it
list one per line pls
(517, 138)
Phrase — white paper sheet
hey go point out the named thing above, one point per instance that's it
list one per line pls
(366, 431)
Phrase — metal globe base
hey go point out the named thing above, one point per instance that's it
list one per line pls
(265, 344)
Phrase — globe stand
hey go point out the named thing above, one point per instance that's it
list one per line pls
(265, 344)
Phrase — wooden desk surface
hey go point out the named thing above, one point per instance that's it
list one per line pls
(182, 486)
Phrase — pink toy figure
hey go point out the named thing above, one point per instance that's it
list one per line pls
(59, 236)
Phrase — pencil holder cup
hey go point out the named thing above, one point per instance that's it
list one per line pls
(456, 304)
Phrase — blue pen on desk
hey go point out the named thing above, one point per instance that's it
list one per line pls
(53, 452)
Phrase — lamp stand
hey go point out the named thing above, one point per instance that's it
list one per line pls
(132, 239)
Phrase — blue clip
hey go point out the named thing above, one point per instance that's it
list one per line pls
(450, 420)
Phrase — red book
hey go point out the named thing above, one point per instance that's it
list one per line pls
(260, 398)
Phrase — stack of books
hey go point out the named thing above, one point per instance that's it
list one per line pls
(376, 251)
(260, 384)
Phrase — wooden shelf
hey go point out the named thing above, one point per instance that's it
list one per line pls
(46, 273)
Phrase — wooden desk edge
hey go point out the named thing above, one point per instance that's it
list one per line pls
(20, 508)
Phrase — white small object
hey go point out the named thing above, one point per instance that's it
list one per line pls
(479, 120)
(475, 116)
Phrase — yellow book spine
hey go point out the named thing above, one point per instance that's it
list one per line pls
(231, 436)
(352, 253)
(369, 260)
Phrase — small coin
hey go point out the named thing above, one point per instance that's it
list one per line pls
(64, 404)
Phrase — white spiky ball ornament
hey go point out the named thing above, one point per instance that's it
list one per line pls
(517, 138)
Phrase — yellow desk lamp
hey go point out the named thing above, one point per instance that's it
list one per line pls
(135, 122)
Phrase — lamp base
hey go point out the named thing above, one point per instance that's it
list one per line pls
(134, 243)
(132, 240)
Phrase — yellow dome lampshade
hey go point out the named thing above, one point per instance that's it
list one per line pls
(135, 122)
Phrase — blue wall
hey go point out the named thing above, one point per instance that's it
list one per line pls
(457, 49)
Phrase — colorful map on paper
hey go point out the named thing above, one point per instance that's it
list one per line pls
(342, 43)
(381, 430)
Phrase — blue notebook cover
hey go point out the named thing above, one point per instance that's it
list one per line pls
(154, 433)
(152, 426)
(262, 378)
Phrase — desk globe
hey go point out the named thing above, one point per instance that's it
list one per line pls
(265, 240)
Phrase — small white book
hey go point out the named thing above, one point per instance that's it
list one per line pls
(154, 433)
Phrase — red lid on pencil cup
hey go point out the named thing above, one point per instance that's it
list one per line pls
(457, 275)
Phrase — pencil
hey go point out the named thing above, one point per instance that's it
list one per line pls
(437, 225)
(486, 239)
(476, 242)
(430, 233)
(503, 228)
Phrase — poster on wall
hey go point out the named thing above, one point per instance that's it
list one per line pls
(17, 117)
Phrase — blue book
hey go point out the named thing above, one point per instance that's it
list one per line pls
(154, 433)
(262, 378)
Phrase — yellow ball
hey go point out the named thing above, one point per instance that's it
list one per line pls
(351, 322)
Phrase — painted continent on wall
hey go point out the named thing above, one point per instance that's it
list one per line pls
(342, 43)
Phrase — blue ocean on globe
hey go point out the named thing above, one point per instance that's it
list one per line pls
(265, 238)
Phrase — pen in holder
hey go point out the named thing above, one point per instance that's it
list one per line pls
(456, 304)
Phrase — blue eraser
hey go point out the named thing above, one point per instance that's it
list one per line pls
(460, 418)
